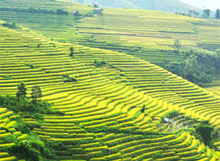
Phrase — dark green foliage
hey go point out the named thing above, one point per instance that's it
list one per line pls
(157, 155)
(11, 25)
(170, 114)
(57, 146)
(25, 105)
(36, 10)
(206, 13)
(67, 78)
(62, 12)
(194, 13)
(32, 149)
(217, 14)
(36, 94)
(8, 139)
(71, 51)
(99, 63)
(40, 10)
(21, 94)
(32, 66)
(7, 77)
(206, 133)
(196, 67)
(143, 109)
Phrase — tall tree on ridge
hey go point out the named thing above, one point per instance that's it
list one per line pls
(36, 93)
(21, 94)
(217, 14)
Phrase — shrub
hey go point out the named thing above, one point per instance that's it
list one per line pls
(204, 133)
(32, 66)
(7, 77)
(62, 12)
(71, 51)
(11, 25)
(157, 155)
(32, 149)
(67, 78)
(99, 63)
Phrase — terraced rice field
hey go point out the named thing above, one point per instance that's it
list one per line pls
(102, 114)
(7, 122)
(103, 118)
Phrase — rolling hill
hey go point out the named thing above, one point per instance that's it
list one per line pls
(161, 5)
(115, 109)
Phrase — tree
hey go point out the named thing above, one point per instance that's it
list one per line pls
(71, 51)
(217, 14)
(21, 94)
(36, 93)
(196, 13)
(206, 13)
(143, 109)
(177, 44)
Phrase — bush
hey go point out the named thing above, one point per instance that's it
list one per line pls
(99, 63)
(11, 25)
(71, 51)
(32, 66)
(32, 149)
(7, 77)
(62, 12)
(67, 78)
(204, 132)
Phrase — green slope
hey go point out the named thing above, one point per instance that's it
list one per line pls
(103, 118)
(161, 5)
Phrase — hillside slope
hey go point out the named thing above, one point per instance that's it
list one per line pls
(161, 5)
(102, 110)
(115, 108)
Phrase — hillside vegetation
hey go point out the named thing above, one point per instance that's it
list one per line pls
(103, 76)
(161, 5)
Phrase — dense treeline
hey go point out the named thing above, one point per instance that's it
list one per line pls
(32, 147)
(37, 10)
(197, 67)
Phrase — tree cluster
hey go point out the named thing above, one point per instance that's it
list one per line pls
(196, 67)
(194, 13)
(11, 25)
(99, 63)
(71, 51)
(207, 12)
(37, 10)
